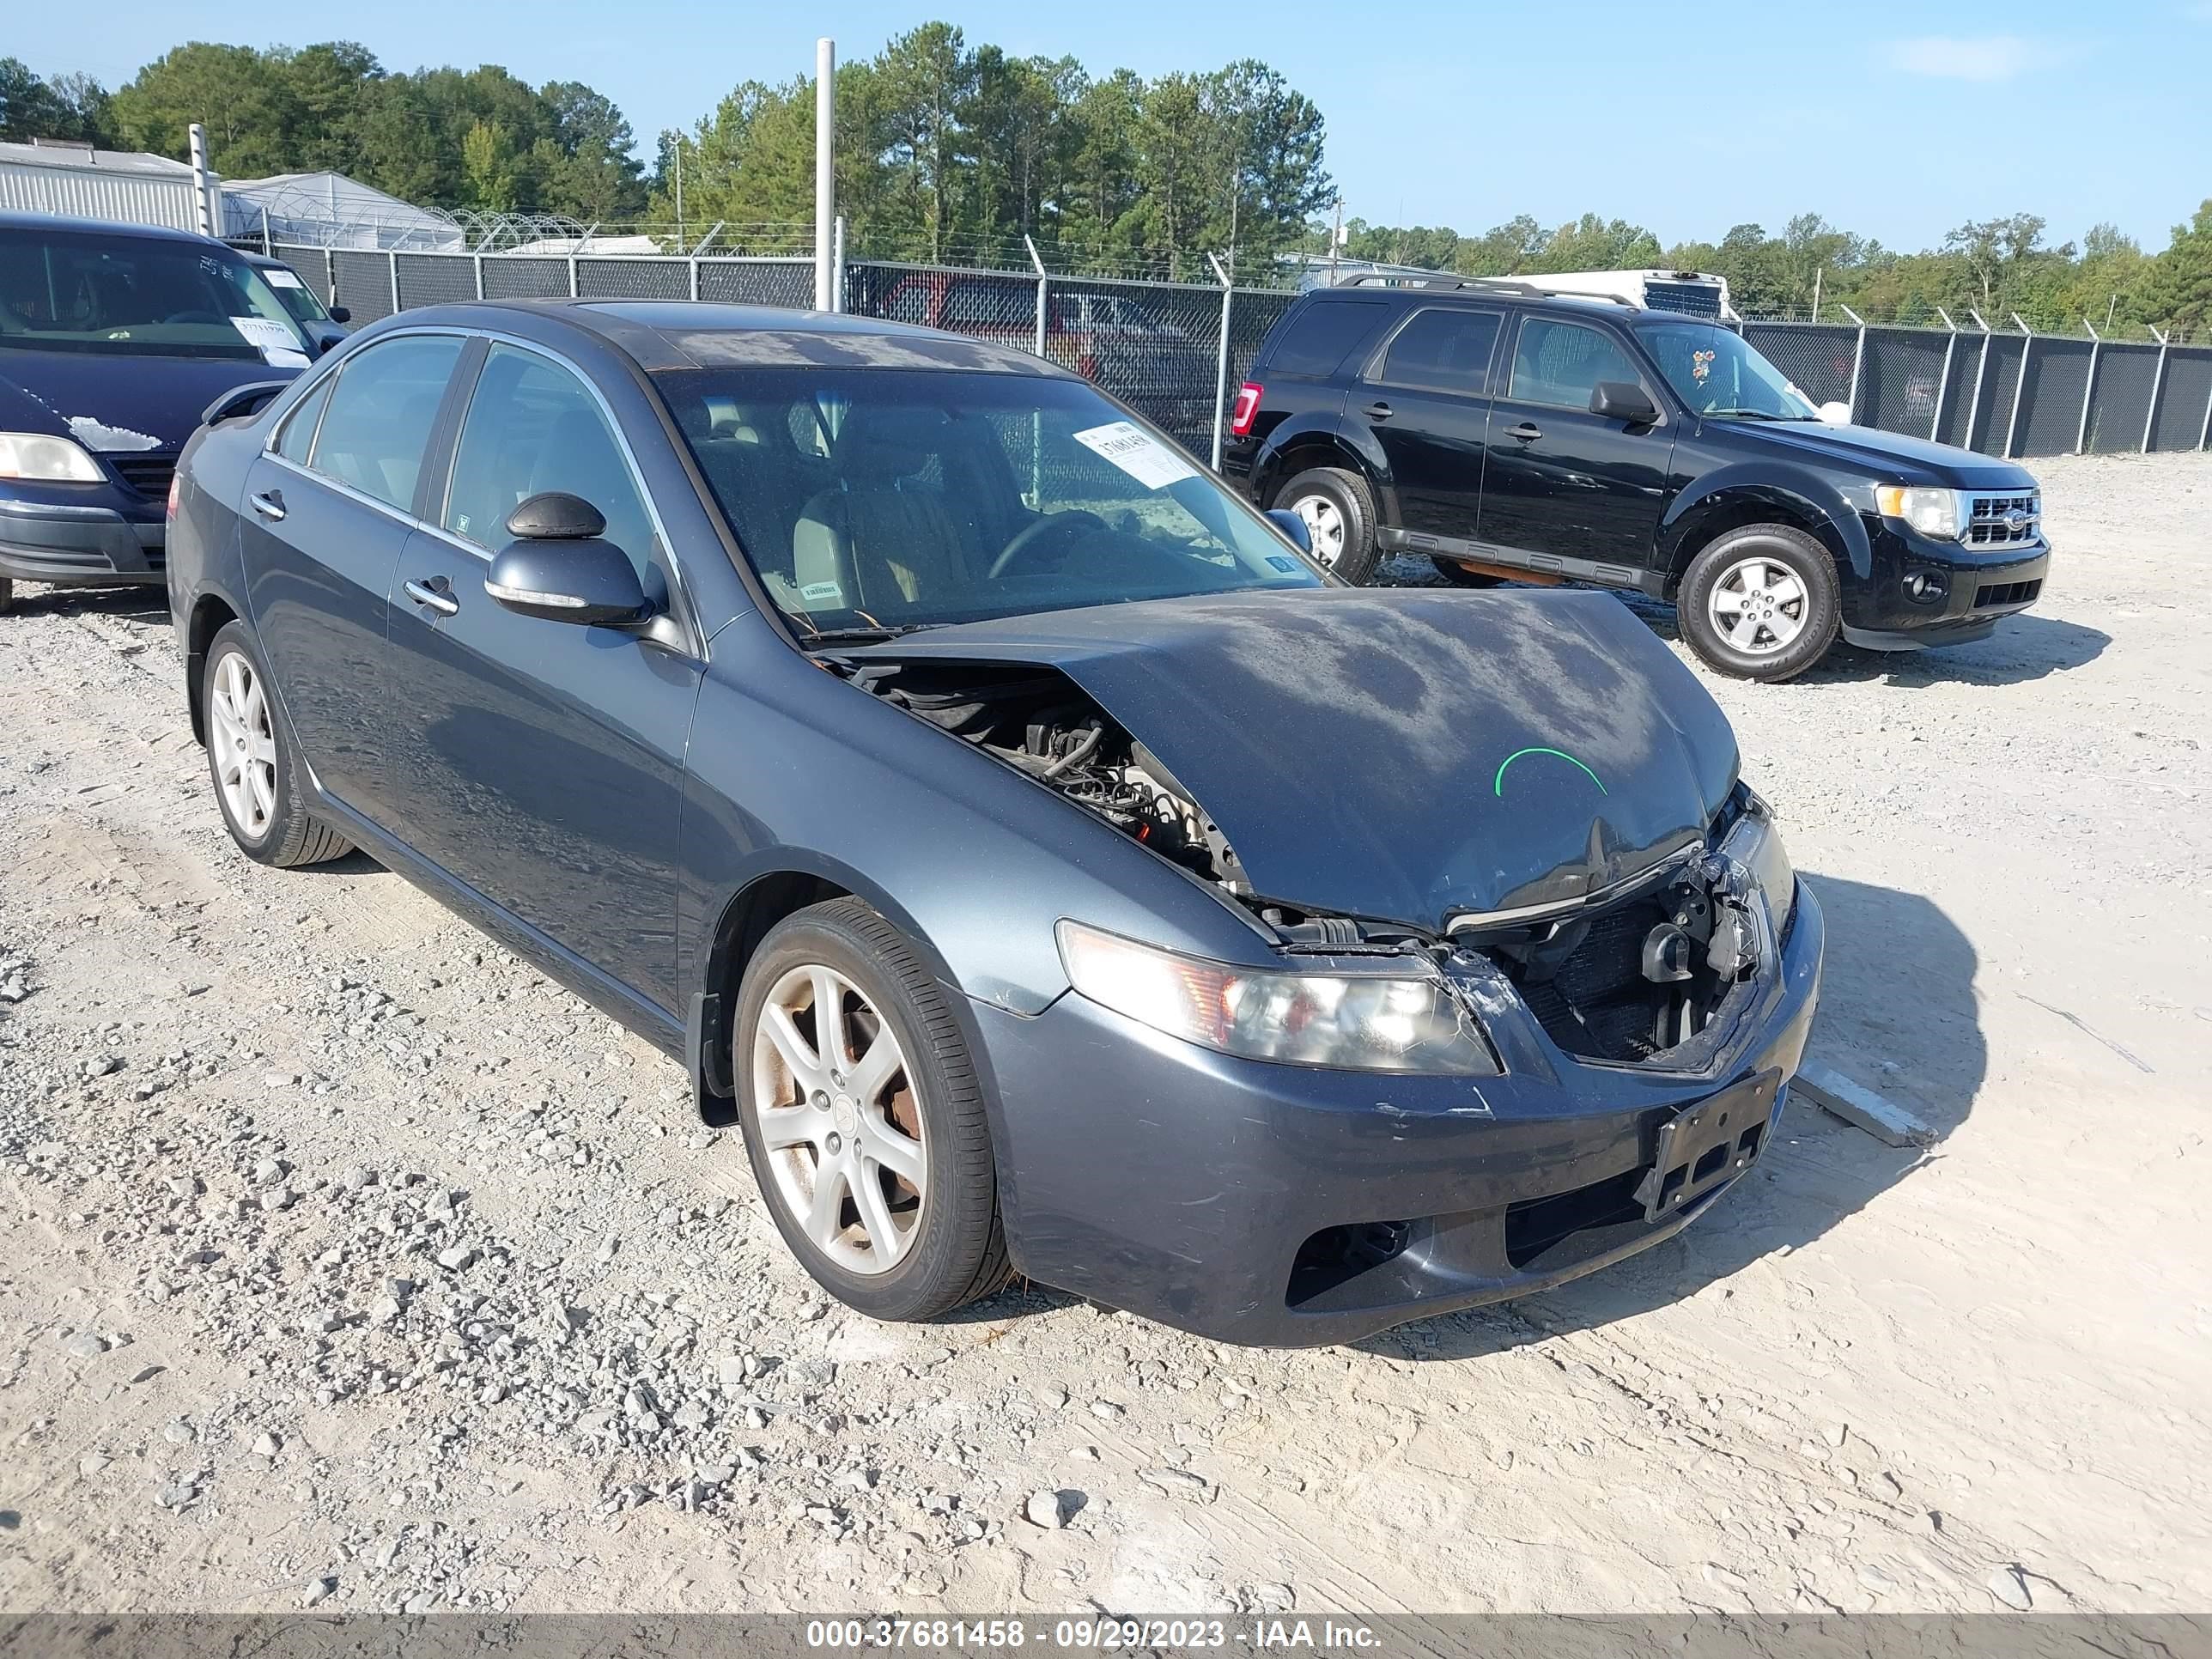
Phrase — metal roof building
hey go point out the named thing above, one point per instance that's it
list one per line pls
(127, 185)
(328, 209)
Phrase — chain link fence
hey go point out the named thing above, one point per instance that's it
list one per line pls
(1177, 351)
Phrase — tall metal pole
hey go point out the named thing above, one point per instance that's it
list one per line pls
(837, 268)
(1943, 381)
(1043, 283)
(1816, 294)
(825, 172)
(2157, 380)
(2018, 381)
(2089, 387)
(1221, 361)
(202, 206)
(1981, 367)
(1858, 358)
(679, 192)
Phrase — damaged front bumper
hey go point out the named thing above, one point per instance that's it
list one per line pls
(1284, 1205)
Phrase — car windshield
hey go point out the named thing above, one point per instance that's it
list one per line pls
(294, 296)
(890, 499)
(1717, 375)
(145, 296)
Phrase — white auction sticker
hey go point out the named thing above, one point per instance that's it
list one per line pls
(1138, 453)
(272, 340)
(280, 277)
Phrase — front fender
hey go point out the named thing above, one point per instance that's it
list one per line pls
(1797, 495)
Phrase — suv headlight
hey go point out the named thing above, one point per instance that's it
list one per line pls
(34, 456)
(1753, 843)
(1347, 1022)
(1931, 512)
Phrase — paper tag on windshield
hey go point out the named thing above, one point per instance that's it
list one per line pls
(272, 340)
(280, 277)
(1138, 453)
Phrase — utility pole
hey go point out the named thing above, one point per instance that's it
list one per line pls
(825, 171)
(679, 191)
(1335, 239)
(1816, 293)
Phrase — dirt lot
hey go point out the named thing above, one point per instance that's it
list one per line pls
(351, 1263)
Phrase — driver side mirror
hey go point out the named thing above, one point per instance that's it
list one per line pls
(559, 568)
(1292, 526)
(1622, 400)
(340, 315)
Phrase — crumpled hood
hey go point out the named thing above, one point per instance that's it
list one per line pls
(1887, 455)
(120, 404)
(1407, 755)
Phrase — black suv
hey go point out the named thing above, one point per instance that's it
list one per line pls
(1516, 435)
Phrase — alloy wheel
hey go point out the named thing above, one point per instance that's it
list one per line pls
(1324, 523)
(836, 1105)
(244, 746)
(1758, 605)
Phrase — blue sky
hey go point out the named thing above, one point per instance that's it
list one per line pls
(1898, 120)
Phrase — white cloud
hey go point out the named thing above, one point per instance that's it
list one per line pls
(1985, 57)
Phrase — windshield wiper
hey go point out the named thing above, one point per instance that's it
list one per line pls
(862, 635)
(1756, 415)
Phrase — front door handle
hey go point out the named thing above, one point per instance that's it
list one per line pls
(1526, 433)
(269, 504)
(436, 594)
(1378, 412)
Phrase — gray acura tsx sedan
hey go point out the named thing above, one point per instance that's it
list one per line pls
(1051, 869)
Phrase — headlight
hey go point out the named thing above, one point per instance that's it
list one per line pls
(1753, 843)
(48, 460)
(1349, 1022)
(1931, 512)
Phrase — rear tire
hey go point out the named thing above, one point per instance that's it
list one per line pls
(1338, 509)
(846, 1146)
(1760, 602)
(250, 760)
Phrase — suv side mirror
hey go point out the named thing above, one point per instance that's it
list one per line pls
(340, 315)
(1622, 400)
(559, 568)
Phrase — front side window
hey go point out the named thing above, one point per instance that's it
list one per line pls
(299, 434)
(533, 427)
(1560, 364)
(1444, 349)
(294, 296)
(1721, 377)
(145, 296)
(377, 423)
(904, 498)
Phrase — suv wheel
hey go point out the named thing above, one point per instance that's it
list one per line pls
(1338, 511)
(1760, 603)
(256, 781)
(863, 1117)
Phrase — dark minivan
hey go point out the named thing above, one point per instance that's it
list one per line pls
(1512, 433)
(114, 339)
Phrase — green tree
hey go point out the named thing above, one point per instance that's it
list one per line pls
(56, 106)
(2179, 290)
(243, 97)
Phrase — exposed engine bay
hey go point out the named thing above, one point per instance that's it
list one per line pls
(1626, 981)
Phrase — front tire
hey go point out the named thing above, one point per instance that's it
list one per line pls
(1761, 602)
(1339, 510)
(863, 1117)
(256, 775)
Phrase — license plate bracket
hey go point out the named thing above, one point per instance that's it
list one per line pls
(1708, 1143)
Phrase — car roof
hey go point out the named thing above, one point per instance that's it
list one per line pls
(1585, 305)
(678, 334)
(20, 221)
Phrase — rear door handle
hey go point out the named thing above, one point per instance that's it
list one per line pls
(269, 504)
(1526, 433)
(1378, 412)
(435, 594)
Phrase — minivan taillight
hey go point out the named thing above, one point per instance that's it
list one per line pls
(1245, 409)
(176, 481)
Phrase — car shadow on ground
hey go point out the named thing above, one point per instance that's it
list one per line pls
(142, 602)
(1897, 992)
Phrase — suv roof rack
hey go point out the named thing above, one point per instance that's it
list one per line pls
(1481, 284)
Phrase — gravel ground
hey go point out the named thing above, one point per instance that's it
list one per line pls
(353, 1264)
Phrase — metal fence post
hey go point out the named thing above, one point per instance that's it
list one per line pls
(1858, 358)
(2018, 383)
(572, 277)
(2089, 387)
(1221, 361)
(1943, 381)
(477, 260)
(2157, 381)
(391, 268)
(1981, 367)
(837, 266)
(1043, 284)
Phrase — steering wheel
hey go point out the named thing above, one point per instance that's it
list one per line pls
(1027, 539)
(192, 317)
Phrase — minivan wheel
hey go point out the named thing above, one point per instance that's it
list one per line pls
(864, 1119)
(1338, 511)
(255, 782)
(1761, 603)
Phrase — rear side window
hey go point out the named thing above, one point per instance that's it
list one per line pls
(378, 421)
(1446, 348)
(1560, 364)
(300, 425)
(1316, 336)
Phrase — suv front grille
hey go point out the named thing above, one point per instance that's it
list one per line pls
(147, 474)
(2004, 521)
